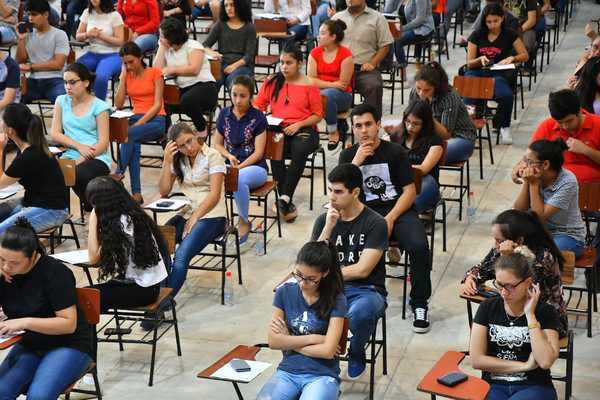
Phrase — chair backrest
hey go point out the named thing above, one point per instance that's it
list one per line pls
(274, 148)
(394, 29)
(215, 68)
(418, 177)
(168, 234)
(23, 85)
(88, 300)
(68, 169)
(589, 196)
(71, 57)
(474, 87)
(266, 25)
(324, 104)
(344, 337)
(171, 94)
(231, 179)
(118, 130)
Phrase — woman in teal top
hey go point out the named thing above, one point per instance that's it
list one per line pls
(81, 123)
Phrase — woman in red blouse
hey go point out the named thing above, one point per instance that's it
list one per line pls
(291, 96)
(142, 18)
(330, 66)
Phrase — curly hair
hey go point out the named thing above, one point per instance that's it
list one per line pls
(110, 201)
(174, 31)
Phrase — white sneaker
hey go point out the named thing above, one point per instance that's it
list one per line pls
(505, 136)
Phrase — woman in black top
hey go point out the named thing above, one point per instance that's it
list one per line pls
(46, 199)
(425, 150)
(37, 294)
(492, 43)
(179, 9)
(514, 338)
(235, 36)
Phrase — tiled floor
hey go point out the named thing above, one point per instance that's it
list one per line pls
(208, 330)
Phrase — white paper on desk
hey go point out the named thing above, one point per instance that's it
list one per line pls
(502, 67)
(55, 150)
(8, 337)
(178, 204)
(74, 257)
(268, 16)
(121, 114)
(227, 372)
(274, 121)
(10, 190)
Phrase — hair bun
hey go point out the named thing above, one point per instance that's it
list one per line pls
(341, 24)
(525, 252)
(559, 142)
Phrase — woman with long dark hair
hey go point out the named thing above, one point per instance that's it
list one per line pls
(512, 228)
(425, 150)
(588, 86)
(200, 172)
(46, 200)
(307, 324)
(37, 294)
(291, 96)
(514, 337)
(553, 193)
(126, 245)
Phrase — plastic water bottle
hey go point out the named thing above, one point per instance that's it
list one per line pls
(228, 289)
(259, 248)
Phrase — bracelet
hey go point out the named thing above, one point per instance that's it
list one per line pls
(534, 325)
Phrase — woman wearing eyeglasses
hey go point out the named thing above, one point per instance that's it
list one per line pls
(514, 337)
(513, 228)
(307, 324)
(553, 193)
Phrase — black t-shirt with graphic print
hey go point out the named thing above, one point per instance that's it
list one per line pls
(367, 231)
(497, 50)
(512, 342)
(384, 173)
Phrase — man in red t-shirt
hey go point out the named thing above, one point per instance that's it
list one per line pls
(579, 129)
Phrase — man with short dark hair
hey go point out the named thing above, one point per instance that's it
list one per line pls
(360, 236)
(388, 184)
(43, 53)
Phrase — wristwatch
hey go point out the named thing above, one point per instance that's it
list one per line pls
(535, 325)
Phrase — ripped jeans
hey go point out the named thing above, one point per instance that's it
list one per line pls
(286, 386)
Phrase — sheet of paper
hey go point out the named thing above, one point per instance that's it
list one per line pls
(11, 190)
(121, 114)
(8, 337)
(73, 257)
(497, 67)
(256, 368)
(268, 16)
(176, 204)
(55, 150)
(274, 121)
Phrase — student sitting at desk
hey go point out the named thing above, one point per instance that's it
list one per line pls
(307, 324)
(37, 294)
(46, 200)
(514, 338)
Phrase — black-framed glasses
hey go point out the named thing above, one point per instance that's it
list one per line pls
(300, 278)
(507, 286)
(71, 82)
(530, 162)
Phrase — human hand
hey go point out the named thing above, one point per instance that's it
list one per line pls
(7, 277)
(330, 12)
(213, 53)
(533, 296)
(229, 69)
(590, 32)
(133, 36)
(364, 150)
(390, 129)
(170, 151)
(189, 225)
(576, 146)
(94, 32)
(293, 21)
(517, 172)
(279, 326)
(12, 326)
(25, 67)
(233, 160)
(332, 217)
(484, 61)
(531, 175)
(366, 67)
(507, 247)
(338, 85)
(168, 71)
(292, 129)
(21, 36)
(506, 61)
(86, 151)
(572, 82)
(530, 364)
(469, 287)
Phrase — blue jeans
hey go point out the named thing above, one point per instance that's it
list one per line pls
(106, 67)
(147, 41)
(365, 307)
(568, 243)
(72, 8)
(521, 392)
(285, 386)
(228, 79)
(408, 37)
(249, 178)
(459, 149)
(391, 6)
(320, 16)
(42, 376)
(429, 195)
(47, 88)
(503, 95)
(204, 231)
(131, 152)
(40, 218)
(8, 35)
(337, 101)
(452, 6)
(201, 12)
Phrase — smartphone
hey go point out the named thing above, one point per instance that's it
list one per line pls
(24, 27)
(452, 379)
(239, 365)
(165, 204)
(487, 293)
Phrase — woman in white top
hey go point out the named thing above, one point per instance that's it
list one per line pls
(296, 12)
(185, 60)
(102, 27)
(126, 245)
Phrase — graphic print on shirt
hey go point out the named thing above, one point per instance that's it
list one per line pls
(490, 52)
(306, 324)
(509, 340)
(377, 182)
(350, 248)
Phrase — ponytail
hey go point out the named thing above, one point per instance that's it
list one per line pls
(22, 237)
(27, 126)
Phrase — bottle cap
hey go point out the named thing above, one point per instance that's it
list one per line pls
(228, 274)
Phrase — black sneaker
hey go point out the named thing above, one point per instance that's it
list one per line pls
(420, 320)
(287, 211)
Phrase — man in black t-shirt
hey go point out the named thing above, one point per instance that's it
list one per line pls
(388, 184)
(360, 235)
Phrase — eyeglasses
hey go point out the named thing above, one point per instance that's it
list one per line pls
(187, 143)
(507, 286)
(308, 281)
(71, 82)
(529, 162)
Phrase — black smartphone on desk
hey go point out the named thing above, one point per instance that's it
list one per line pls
(452, 379)
(239, 365)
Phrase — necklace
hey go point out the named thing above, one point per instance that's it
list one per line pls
(511, 321)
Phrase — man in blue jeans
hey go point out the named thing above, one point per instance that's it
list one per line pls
(360, 235)
(42, 53)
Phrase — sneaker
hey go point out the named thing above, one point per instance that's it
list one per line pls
(356, 368)
(393, 255)
(505, 136)
(287, 210)
(420, 320)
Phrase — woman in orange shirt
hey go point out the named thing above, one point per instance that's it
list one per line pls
(290, 95)
(144, 85)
